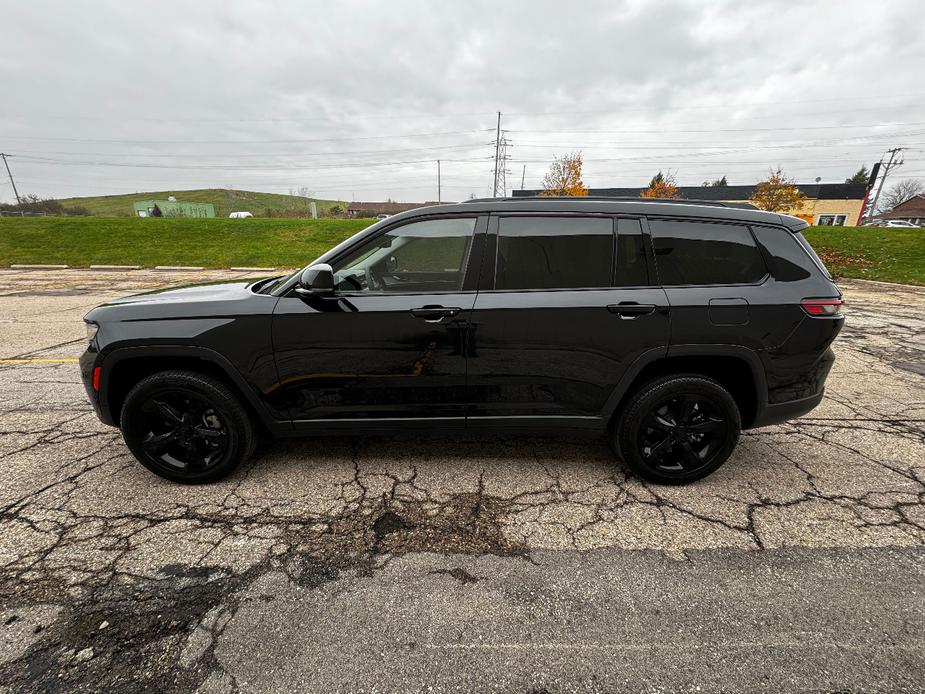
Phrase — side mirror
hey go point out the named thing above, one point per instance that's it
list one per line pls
(316, 280)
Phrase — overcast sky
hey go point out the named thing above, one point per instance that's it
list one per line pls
(357, 101)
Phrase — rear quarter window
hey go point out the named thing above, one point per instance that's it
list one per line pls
(788, 259)
(812, 254)
(705, 253)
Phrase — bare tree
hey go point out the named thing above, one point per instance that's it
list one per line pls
(902, 191)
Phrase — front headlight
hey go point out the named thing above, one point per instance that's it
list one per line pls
(92, 329)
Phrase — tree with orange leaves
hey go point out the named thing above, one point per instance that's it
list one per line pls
(564, 177)
(777, 194)
(661, 186)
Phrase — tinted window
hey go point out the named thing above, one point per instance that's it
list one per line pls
(631, 255)
(425, 256)
(812, 254)
(787, 261)
(705, 253)
(554, 252)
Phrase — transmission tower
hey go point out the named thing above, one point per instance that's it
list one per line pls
(503, 171)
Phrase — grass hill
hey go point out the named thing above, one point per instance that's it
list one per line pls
(225, 201)
(876, 253)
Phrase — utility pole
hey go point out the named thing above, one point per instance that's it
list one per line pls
(438, 181)
(494, 189)
(10, 173)
(892, 163)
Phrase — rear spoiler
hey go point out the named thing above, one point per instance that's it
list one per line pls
(795, 224)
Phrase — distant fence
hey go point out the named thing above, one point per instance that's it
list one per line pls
(18, 213)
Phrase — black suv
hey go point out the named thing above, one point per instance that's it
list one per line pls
(668, 325)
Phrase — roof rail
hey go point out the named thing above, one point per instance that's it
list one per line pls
(607, 198)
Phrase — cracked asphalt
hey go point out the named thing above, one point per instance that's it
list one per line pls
(479, 564)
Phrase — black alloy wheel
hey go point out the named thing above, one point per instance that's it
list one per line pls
(682, 434)
(678, 429)
(182, 430)
(186, 427)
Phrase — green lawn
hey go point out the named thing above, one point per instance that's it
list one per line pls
(220, 243)
(888, 255)
(225, 201)
(871, 253)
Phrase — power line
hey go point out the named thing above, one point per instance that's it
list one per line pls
(237, 167)
(242, 142)
(722, 130)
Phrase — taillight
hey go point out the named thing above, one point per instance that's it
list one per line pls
(96, 378)
(822, 307)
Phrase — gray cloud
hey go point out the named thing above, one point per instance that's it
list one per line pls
(119, 97)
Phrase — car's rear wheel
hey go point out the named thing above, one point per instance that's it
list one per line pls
(187, 427)
(678, 429)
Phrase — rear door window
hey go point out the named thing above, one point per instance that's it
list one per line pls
(705, 253)
(554, 253)
(632, 268)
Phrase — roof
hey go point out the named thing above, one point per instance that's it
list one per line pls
(388, 206)
(675, 208)
(913, 207)
(816, 191)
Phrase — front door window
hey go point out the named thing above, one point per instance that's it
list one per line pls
(422, 257)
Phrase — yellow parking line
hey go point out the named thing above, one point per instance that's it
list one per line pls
(37, 361)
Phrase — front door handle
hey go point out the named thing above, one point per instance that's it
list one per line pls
(435, 314)
(629, 310)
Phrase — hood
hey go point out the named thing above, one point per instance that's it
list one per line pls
(216, 291)
(216, 299)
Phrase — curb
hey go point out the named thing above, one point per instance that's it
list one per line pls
(38, 267)
(116, 267)
(178, 267)
(252, 269)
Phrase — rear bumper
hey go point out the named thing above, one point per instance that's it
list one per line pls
(799, 396)
(779, 412)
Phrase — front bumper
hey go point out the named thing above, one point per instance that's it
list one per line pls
(89, 360)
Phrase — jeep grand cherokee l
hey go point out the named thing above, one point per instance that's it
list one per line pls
(667, 326)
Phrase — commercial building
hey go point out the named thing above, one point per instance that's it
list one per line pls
(172, 208)
(829, 204)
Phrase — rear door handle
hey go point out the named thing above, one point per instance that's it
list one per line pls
(435, 314)
(629, 310)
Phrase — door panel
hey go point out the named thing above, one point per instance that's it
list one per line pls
(390, 343)
(558, 344)
(374, 356)
(557, 353)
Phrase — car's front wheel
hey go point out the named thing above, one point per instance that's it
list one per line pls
(678, 429)
(187, 427)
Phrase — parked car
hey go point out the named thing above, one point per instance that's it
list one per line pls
(900, 223)
(667, 326)
(240, 215)
(383, 216)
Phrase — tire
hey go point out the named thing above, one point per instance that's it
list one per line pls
(187, 427)
(677, 429)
